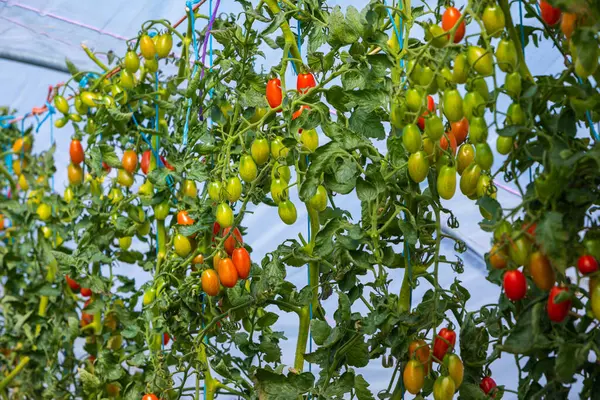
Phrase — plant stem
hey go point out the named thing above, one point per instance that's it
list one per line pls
(93, 57)
(4, 383)
(303, 330)
(287, 32)
(514, 35)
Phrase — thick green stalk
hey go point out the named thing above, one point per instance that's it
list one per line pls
(514, 35)
(93, 57)
(4, 383)
(287, 32)
(302, 338)
(210, 382)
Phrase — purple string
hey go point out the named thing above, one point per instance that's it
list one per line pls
(63, 19)
(208, 29)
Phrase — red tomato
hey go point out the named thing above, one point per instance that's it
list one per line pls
(487, 384)
(149, 396)
(515, 285)
(460, 130)
(166, 338)
(166, 164)
(72, 284)
(444, 142)
(274, 93)
(241, 261)
(449, 20)
(86, 318)
(216, 229)
(76, 152)
(227, 273)
(305, 82)
(557, 311)
(299, 112)
(232, 240)
(145, 164)
(550, 15)
(430, 109)
(86, 292)
(129, 161)
(530, 229)
(587, 264)
(183, 218)
(446, 338)
(106, 167)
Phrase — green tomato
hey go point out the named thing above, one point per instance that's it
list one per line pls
(248, 169)
(319, 199)
(465, 156)
(478, 130)
(161, 211)
(469, 179)
(287, 212)
(504, 144)
(434, 127)
(233, 188)
(310, 140)
(484, 156)
(446, 182)
(260, 150)
(215, 191)
(506, 55)
(224, 215)
(182, 245)
(279, 190)
(473, 105)
(443, 388)
(513, 85)
(493, 20)
(460, 71)
(414, 100)
(480, 60)
(515, 114)
(411, 138)
(418, 166)
(278, 150)
(125, 242)
(453, 105)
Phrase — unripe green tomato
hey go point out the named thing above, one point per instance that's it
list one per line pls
(215, 191)
(161, 210)
(478, 130)
(456, 369)
(260, 150)
(460, 71)
(125, 242)
(515, 114)
(144, 228)
(132, 62)
(411, 138)
(147, 47)
(224, 215)
(151, 65)
(453, 105)
(125, 178)
(469, 179)
(44, 211)
(436, 35)
(61, 104)
(278, 150)
(414, 100)
(248, 170)
(182, 245)
(519, 251)
(127, 80)
(279, 190)
(310, 140)
(319, 199)
(446, 182)
(281, 171)
(506, 55)
(485, 187)
(287, 212)
(61, 122)
(418, 166)
(493, 20)
(480, 60)
(473, 105)
(484, 156)
(233, 188)
(434, 127)
(504, 144)
(513, 85)
(502, 231)
(465, 156)
(443, 388)
(479, 85)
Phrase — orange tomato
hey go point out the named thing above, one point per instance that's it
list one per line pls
(232, 239)
(568, 24)
(460, 130)
(129, 161)
(76, 152)
(183, 218)
(210, 282)
(453, 142)
(227, 273)
(241, 261)
(75, 174)
(419, 350)
(498, 257)
(199, 259)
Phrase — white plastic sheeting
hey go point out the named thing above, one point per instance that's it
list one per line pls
(52, 30)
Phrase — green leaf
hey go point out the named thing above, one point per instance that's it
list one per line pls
(267, 320)
(569, 359)
(109, 156)
(340, 31)
(320, 331)
(361, 388)
(118, 115)
(358, 353)
(512, 130)
(527, 335)
(91, 383)
(71, 67)
(367, 123)
(365, 191)
(352, 80)
(470, 391)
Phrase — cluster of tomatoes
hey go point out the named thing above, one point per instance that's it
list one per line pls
(451, 373)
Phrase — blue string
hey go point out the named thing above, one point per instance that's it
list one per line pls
(90, 75)
(189, 4)
(6, 125)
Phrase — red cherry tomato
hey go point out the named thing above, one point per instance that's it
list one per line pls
(274, 93)
(232, 240)
(430, 109)
(149, 396)
(305, 82)
(166, 164)
(183, 218)
(550, 15)
(449, 20)
(241, 261)
(145, 164)
(587, 264)
(487, 384)
(86, 292)
(446, 338)
(216, 229)
(166, 338)
(460, 130)
(72, 284)
(515, 285)
(557, 311)
(76, 152)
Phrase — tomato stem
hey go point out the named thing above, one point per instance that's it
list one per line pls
(93, 57)
(4, 383)
(514, 35)
(287, 32)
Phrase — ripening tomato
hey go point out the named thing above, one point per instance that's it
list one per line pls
(147, 47)
(504, 144)
(568, 24)
(456, 369)
(493, 20)
(274, 93)
(129, 161)
(228, 275)
(182, 245)
(199, 259)
(541, 271)
(484, 157)
(148, 162)
(430, 109)
(460, 71)
(260, 150)
(86, 292)
(449, 20)
(446, 182)
(210, 282)
(278, 149)
(132, 62)
(418, 166)
(183, 218)
(72, 283)
(232, 239)
(434, 127)
(480, 60)
(515, 285)
(287, 212)
(487, 385)
(453, 105)
(215, 191)
(498, 257)
(164, 44)
(464, 158)
(413, 377)
(309, 140)
(125, 178)
(443, 388)
(241, 261)
(550, 15)
(75, 174)
(445, 339)
(319, 200)
(414, 100)
(587, 264)
(558, 311)
(224, 215)
(149, 396)
(248, 169)
(411, 138)
(419, 350)
(506, 55)
(460, 130)
(298, 113)
(305, 82)
(448, 137)
(189, 188)
(513, 85)
(519, 250)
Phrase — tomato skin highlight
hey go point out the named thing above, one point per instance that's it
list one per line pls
(445, 339)
(557, 312)
(413, 377)
(305, 82)
(228, 274)
(449, 20)
(76, 152)
(549, 14)
(241, 261)
(487, 384)
(515, 285)
(587, 264)
(210, 282)
(274, 93)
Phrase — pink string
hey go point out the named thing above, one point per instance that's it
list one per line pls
(506, 188)
(64, 19)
